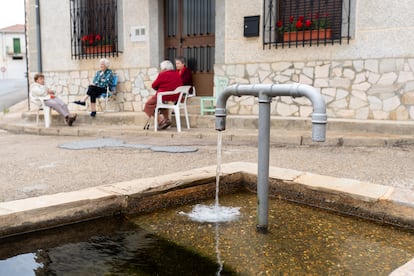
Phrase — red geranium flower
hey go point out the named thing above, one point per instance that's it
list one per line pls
(317, 23)
(279, 24)
(91, 39)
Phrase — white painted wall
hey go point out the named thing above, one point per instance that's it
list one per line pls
(384, 29)
(15, 68)
(56, 36)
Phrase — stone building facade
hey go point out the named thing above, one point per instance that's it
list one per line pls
(371, 77)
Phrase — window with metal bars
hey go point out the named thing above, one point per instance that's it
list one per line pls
(297, 23)
(94, 28)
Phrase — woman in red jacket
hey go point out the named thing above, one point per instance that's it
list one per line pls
(167, 80)
(184, 72)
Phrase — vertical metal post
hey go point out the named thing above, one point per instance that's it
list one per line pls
(263, 163)
(27, 75)
(38, 38)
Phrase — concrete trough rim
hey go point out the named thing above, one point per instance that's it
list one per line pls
(117, 194)
(48, 211)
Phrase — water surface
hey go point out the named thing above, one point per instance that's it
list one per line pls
(302, 240)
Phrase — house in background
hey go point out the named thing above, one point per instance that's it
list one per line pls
(358, 54)
(13, 52)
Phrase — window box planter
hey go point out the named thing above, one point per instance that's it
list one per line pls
(307, 35)
(98, 49)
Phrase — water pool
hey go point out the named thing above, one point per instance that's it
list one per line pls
(302, 240)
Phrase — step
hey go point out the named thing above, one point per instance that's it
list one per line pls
(240, 122)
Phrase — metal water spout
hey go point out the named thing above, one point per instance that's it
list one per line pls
(265, 93)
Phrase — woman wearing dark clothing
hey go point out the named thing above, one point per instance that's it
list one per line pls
(102, 79)
(184, 72)
(167, 80)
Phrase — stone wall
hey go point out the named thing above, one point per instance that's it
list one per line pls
(133, 89)
(381, 89)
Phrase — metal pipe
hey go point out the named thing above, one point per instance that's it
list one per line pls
(265, 92)
(263, 163)
(38, 38)
(294, 90)
(27, 55)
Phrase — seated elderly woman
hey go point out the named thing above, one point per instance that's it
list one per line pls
(184, 72)
(102, 80)
(40, 92)
(167, 80)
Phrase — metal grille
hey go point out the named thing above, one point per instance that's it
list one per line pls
(94, 28)
(198, 17)
(171, 20)
(190, 32)
(172, 54)
(200, 59)
(305, 22)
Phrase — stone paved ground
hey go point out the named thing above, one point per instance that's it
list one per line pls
(32, 165)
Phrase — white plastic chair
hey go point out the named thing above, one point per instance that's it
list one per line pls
(110, 94)
(180, 104)
(47, 111)
(193, 94)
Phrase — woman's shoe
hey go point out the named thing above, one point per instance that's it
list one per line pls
(164, 124)
(93, 113)
(80, 103)
(71, 119)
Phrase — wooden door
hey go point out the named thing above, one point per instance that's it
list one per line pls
(189, 31)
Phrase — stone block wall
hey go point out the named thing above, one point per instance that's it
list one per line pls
(380, 89)
(374, 89)
(133, 89)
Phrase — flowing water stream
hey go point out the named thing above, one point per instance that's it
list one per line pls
(215, 213)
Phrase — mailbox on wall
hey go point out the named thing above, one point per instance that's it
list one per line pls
(251, 25)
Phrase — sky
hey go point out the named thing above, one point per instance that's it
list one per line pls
(11, 12)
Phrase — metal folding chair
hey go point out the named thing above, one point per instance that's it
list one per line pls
(110, 95)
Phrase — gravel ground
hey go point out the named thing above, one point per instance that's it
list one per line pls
(32, 165)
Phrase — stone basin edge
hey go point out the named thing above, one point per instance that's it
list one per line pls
(378, 202)
(89, 203)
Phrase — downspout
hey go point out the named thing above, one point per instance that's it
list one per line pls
(27, 54)
(38, 37)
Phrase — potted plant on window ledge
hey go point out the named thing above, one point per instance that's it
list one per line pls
(95, 44)
(305, 29)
